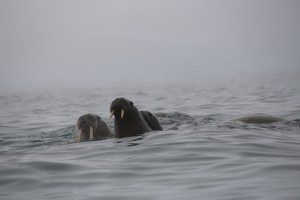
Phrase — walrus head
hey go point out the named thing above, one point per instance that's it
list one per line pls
(121, 108)
(87, 124)
(128, 119)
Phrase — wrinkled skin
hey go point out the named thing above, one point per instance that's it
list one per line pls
(128, 119)
(92, 128)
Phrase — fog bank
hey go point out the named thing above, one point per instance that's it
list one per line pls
(57, 44)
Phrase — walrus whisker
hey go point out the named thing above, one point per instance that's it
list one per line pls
(91, 133)
(122, 114)
(111, 114)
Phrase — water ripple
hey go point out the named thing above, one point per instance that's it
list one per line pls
(202, 153)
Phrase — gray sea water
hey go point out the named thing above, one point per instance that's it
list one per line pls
(203, 153)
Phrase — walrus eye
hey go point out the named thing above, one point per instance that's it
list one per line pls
(131, 103)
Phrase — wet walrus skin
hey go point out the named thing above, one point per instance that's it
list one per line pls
(92, 128)
(151, 120)
(129, 121)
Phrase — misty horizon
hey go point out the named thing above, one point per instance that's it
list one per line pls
(61, 44)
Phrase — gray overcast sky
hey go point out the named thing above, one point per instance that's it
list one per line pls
(70, 42)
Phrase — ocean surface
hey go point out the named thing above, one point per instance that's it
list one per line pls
(203, 152)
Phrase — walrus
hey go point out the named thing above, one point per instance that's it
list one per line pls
(129, 121)
(259, 119)
(151, 120)
(92, 128)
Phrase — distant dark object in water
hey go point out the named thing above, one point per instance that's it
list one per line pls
(129, 121)
(259, 119)
(92, 128)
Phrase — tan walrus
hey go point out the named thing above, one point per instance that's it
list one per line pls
(91, 127)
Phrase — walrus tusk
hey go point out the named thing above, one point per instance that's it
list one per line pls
(81, 135)
(111, 114)
(91, 133)
(122, 114)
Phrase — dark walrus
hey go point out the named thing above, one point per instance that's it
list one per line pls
(151, 120)
(92, 128)
(129, 121)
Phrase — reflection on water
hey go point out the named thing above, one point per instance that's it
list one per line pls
(202, 152)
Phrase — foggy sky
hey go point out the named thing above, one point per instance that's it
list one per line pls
(64, 43)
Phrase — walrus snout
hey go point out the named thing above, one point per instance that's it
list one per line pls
(86, 132)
